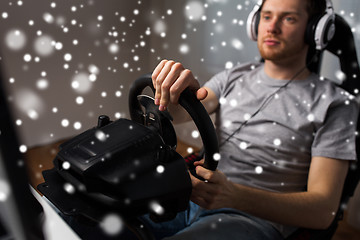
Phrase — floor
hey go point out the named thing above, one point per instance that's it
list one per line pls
(346, 231)
(40, 159)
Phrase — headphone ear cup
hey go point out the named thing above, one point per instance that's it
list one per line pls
(324, 31)
(320, 30)
(253, 23)
(310, 31)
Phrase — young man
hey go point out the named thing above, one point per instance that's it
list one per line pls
(286, 137)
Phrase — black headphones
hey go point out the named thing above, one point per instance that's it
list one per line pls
(320, 29)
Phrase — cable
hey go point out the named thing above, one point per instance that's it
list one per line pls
(267, 100)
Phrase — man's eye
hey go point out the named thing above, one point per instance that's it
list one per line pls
(289, 19)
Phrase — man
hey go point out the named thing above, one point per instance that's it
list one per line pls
(284, 139)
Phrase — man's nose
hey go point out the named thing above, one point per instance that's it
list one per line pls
(274, 26)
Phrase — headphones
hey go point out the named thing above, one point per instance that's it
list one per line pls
(319, 31)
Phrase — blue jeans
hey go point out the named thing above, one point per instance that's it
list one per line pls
(197, 223)
(194, 223)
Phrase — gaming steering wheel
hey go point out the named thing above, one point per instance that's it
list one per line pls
(132, 166)
(161, 120)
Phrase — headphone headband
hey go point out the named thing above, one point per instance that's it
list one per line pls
(319, 30)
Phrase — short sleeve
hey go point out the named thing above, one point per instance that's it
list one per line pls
(217, 83)
(221, 81)
(336, 137)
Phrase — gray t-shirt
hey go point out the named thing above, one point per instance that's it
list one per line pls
(273, 150)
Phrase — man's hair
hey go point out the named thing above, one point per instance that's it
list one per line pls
(315, 8)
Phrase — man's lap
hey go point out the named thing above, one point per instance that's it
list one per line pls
(196, 223)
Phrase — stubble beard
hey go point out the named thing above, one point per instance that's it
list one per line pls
(279, 53)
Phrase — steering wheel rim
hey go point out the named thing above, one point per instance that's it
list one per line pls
(195, 109)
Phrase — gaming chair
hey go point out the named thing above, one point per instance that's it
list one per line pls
(342, 46)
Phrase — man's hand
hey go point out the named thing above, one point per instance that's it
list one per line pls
(313, 208)
(213, 193)
(170, 79)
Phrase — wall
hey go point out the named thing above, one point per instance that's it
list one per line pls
(67, 62)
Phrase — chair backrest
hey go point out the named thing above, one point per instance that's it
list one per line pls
(342, 46)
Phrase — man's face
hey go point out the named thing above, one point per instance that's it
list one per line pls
(282, 29)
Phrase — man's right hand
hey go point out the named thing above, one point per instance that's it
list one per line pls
(170, 79)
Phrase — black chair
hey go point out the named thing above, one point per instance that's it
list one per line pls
(342, 46)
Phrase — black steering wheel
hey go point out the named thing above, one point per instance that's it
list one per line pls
(161, 120)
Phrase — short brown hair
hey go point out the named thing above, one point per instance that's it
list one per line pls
(315, 8)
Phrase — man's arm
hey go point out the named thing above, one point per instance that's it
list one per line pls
(314, 208)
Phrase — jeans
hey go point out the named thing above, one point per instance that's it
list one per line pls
(194, 223)
(197, 223)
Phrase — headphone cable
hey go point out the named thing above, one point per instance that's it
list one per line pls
(267, 100)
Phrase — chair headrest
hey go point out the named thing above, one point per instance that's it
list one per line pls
(343, 46)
